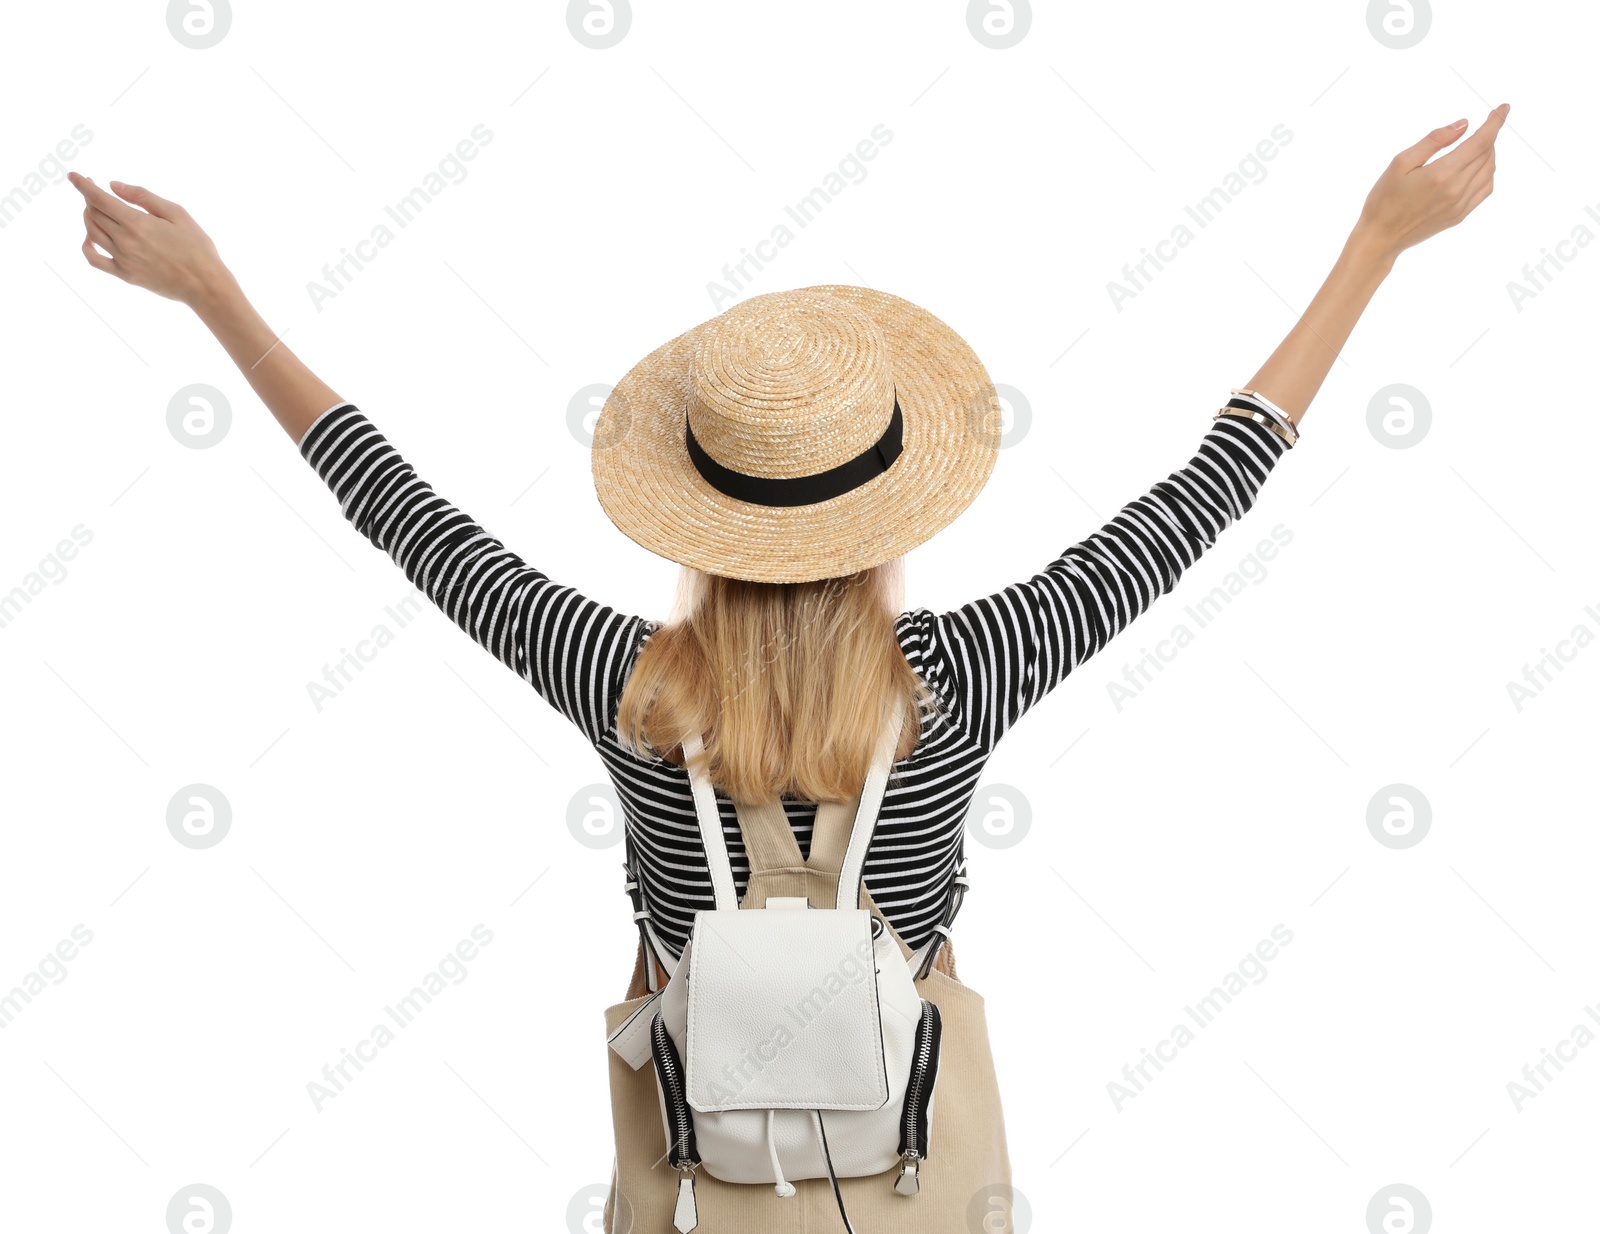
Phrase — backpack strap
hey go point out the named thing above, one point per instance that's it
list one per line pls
(866, 820)
(772, 845)
(710, 819)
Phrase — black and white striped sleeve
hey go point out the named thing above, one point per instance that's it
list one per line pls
(995, 657)
(572, 650)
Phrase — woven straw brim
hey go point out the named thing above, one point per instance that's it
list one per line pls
(649, 488)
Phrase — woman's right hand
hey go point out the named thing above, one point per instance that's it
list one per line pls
(1415, 199)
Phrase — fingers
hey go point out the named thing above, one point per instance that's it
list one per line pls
(110, 225)
(1473, 190)
(145, 199)
(1483, 140)
(98, 234)
(119, 211)
(1481, 144)
(99, 260)
(1482, 191)
(96, 238)
(1415, 156)
(1482, 180)
(1453, 170)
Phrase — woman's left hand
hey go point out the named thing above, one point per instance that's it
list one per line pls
(151, 242)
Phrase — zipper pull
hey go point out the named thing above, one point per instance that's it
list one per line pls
(685, 1217)
(906, 1183)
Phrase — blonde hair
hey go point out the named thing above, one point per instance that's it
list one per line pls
(785, 682)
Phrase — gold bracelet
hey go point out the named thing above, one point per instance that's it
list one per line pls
(1266, 404)
(1288, 433)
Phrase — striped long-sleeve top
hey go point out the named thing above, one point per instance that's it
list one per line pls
(987, 661)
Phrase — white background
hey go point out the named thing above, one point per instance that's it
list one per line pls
(1228, 797)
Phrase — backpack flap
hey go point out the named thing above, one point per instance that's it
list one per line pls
(783, 1012)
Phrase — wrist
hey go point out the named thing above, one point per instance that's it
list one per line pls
(215, 294)
(1369, 254)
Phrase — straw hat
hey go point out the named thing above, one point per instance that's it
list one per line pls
(799, 435)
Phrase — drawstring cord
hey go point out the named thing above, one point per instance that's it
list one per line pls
(783, 1186)
(816, 1117)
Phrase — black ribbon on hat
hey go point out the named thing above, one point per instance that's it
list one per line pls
(799, 490)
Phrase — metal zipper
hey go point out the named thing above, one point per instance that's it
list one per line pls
(919, 1089)
(682, 1154)
(682, 1150)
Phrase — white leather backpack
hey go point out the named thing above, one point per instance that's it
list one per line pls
(790, 1041)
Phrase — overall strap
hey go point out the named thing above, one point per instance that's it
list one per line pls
(769, 841)
(830, 836)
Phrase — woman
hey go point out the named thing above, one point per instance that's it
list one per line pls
(787, 453)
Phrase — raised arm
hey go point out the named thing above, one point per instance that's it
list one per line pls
(572, 650)
(1412, 200)
(997, 656)
(154, 243)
